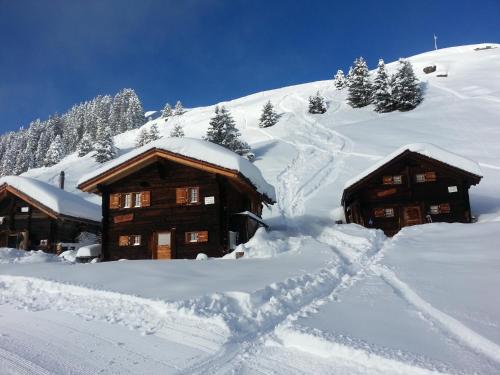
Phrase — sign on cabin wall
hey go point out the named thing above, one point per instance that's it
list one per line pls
(387, 192)
(123, 218)
(452, 189)
(209, 200)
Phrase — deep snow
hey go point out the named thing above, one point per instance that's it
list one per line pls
(309, 296)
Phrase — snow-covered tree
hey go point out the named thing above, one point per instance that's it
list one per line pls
(167, 111)
(360, 88)
(406, 91)
(348, 77)
(179, 109)
(339, 80)
(142, 137)
(105, 147)
(85, 146)
(317, 104)
(55, 152)
(269, 116)
(154, 133)
(177, 131)
(381, 91)
(223, 131)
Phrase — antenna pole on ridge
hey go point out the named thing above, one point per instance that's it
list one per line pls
(435, 42)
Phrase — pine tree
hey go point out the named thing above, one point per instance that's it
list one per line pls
(348, 77)
(177, 131)
(406, 92)
(381, 92)
(154, 133)
(223, 131)
(85, 146)
(317, 104)
(339, 80)
(179, 109)
(360, 88)
(167, 111)
(105, 147)
(269, 116)
(142, 138)
(55, 152)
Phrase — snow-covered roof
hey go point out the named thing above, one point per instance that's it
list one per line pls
(254, 217)
(425, 149)
(149, 113)
(200, 150)
(57, 200)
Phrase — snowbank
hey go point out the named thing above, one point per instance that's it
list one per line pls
(56, 199)
(199, 150)
(9, 256)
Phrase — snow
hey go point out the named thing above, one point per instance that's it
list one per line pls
(59, 201)
(425, 149)
(309, 296)
(253, 216)
(89, 251)
(10, 256)
(199, 150)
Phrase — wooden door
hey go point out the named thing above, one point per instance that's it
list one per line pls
(412, 216)
(163, 245)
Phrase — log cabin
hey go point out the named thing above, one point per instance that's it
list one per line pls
(37, 216)
(416, 184)
(176, 198)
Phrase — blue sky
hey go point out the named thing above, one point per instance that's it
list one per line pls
(55, 53)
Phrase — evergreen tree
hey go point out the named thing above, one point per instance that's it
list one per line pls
(317, 104)
(269, 116)
(85, 146)
(167, 111)
(105, 147)
(360, 88)
(339, 80)
(179, 109)
(348, 77)
(406, 92)
(55, 152)
(154, 133)
(142, 138)
(381, 93)
(223, 131)
(177, 131)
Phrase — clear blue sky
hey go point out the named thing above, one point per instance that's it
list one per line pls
(55, 53)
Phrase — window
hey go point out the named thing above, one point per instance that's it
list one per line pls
(137, 200)
(443, 208)
(196, 237)
(392, 180)
(383, 212)
(44, 242)
(434, 209)
(25, 209)
(426, 177)
(188, 195)
(127, 201)
(129, 240)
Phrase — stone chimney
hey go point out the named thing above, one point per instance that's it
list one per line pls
(61, 180)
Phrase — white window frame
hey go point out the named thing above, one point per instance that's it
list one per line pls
(420, 177)
(137, 240)
(193, 195)
(389, 212)
(137, 199)
(193, 237)
(434, 209)
(397, 179)
(127, 200)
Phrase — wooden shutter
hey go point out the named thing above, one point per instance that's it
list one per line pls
(114, 201)
(430, 176)
(203, 236)
(181, 195)
(123, 241)
(145, 198)
(387, 180)
(444, 208)
(379, 212)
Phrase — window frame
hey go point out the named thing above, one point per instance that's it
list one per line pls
(137, 200)
(125, 196)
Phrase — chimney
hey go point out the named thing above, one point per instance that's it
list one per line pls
(61, 180)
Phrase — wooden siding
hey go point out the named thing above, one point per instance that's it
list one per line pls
(165, 213)
(376, 192)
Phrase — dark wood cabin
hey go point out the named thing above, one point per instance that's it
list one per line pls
(27, 223)
(164, 205)
(411, 188)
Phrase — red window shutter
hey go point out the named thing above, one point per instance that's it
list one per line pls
(387, 180)
(145, 198)
(203, 236)
(430, 176)
(123, 241)
(181, 195)
(379, 212)
(114, 201)
(444, 208)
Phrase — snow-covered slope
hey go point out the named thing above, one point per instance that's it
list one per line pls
(310, 296)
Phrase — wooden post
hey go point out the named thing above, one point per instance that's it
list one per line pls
(105, 221)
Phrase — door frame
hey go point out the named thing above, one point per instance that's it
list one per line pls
(154, 242)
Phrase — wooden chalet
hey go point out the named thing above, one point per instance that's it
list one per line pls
(418, 183)
(177, 197)
(37, 216)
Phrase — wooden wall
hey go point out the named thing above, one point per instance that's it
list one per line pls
(162, 179)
